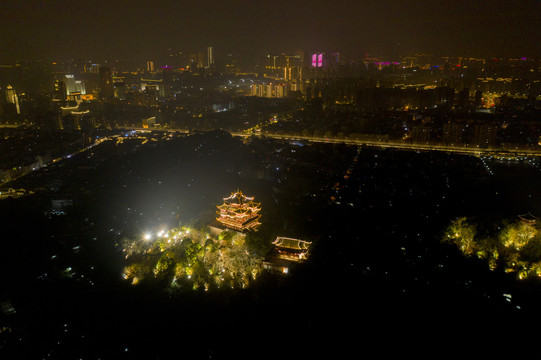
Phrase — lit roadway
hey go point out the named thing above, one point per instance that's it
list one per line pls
(58, 159)
(410, 146)
(474, 151)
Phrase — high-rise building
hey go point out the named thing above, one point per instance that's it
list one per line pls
(318, 60)
(254, 89)
(150, 66)
(69, 83)
(167, 81)
(485, 135)
(12, 98)
(70, 118)
(73, 86)
(154, 85)
(280, 91)
(287, 73)
(51, 121)
(80, 87)
(210, 56)
(106, 82)
(92, 68)
(59, 90)
(11, 95)
(119, 88)
(453, 134)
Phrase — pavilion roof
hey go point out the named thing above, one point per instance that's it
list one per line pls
(291, 243)
(529, 218)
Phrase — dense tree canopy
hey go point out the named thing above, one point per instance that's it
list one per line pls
(193, 259)
(515, 246)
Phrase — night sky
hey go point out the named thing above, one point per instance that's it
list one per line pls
(131, 29)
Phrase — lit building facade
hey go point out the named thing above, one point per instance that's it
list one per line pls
(73, 86)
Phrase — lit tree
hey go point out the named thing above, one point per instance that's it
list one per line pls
(197, 261)
(517, 247)
(462, 233)
(137, 272)
(164, 264)
(531, 252)
(132, 247)
(193, 253)
(517, 235)
(535, 268)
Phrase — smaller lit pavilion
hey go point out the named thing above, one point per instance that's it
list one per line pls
(286, 252)
(291, 249)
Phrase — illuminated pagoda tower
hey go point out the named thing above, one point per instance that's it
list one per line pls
(239, 212)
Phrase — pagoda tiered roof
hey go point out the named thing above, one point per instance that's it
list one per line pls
(239, 212)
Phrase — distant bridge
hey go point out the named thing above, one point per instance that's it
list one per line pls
(465, 150)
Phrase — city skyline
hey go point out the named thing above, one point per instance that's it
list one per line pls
(386, 157)
(139, 30)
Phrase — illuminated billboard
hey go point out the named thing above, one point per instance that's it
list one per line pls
(318, 60)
